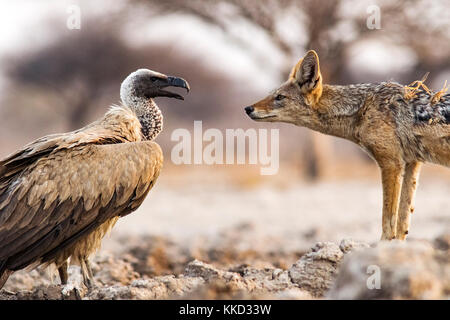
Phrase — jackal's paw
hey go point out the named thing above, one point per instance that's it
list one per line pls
(385, 237)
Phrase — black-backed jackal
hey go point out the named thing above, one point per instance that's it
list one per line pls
(399, 126)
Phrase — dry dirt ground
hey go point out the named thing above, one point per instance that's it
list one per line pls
(302, 241)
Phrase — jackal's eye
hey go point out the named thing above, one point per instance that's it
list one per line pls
(280, 97)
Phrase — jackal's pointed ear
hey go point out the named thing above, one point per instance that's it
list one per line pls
(307, 75)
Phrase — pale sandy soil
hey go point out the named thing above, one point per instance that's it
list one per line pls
(292, 218)
(218, 241)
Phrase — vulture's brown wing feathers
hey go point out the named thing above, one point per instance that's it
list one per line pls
(63, 194)
(118, 125)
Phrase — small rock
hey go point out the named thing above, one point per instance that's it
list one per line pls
(317, 269)
(24, 280)
(197, 268)
(292, 294)
(442, 242)
(43, 292)
(110, 271)
(348, 245)
(407, 270)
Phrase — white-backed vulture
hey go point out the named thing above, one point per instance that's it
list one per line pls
(60, 194)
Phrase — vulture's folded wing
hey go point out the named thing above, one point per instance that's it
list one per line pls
(95, 133)
(62, 196)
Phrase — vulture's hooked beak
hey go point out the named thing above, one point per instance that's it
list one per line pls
(174, 82)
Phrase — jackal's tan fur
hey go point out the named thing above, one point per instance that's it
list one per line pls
(399, 128)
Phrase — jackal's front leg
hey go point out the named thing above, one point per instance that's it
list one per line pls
(409, 187)
(391, 175)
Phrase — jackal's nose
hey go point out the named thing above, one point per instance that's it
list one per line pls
(249, 109)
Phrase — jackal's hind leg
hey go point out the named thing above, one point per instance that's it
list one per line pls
(391, 175)
(409, 187)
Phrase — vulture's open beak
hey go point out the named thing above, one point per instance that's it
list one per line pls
(174, 82)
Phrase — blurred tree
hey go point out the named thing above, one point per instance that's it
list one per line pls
(79, 67)
(85, 68)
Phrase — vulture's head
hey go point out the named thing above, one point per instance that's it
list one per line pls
(147, 84)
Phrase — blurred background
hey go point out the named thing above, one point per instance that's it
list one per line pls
(232, 52)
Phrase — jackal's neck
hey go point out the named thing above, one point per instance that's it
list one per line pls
(338, 108)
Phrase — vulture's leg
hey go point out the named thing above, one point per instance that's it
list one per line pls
(4, 277)
(68, 290)
(89, 270)
(86, 270)
(62, 270)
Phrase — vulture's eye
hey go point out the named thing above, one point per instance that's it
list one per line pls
(280, 97)
(154, 79)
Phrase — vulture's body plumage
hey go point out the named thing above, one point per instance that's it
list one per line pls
(60, 194)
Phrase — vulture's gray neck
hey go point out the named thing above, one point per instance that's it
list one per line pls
(149, 116)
